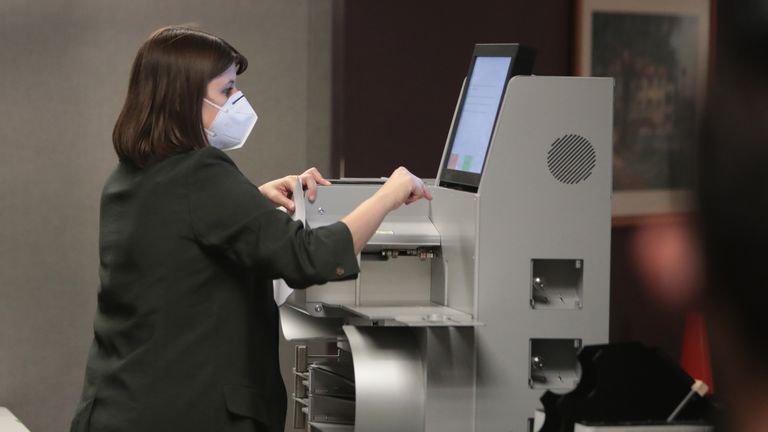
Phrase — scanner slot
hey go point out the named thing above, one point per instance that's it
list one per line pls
(402, 279)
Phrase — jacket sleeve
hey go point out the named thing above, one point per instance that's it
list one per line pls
(229, 214)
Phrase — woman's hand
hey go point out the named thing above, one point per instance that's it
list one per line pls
(280, 191)
(402, 187)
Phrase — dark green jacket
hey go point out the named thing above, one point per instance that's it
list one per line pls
(186, 331)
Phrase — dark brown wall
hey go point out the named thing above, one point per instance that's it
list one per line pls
(399, 67)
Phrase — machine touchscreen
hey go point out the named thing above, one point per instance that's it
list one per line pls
(490, 70)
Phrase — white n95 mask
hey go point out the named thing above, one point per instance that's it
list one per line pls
(232, 124)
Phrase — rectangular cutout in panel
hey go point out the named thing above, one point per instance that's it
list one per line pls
(553, 364)
(556, 283)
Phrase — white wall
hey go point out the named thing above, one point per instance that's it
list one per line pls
(63, 75)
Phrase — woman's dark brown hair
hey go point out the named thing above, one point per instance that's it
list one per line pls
(162, 114)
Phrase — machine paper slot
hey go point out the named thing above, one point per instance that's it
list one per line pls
(401, 234)
(330, 427)
(413, 316)
(330, 409)
(324, 382)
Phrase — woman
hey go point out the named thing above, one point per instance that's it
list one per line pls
(186, 333)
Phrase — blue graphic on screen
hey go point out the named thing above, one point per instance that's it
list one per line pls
(478, 114)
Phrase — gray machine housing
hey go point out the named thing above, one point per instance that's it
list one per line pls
(469, 307)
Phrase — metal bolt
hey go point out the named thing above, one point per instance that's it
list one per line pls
(320, 211)
(537, 363)
(390, 253)
(318, 308)
(425, 254)
(538, 283)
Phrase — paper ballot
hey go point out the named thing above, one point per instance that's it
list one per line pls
(281, 289)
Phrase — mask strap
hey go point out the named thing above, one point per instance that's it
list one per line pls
(220, 108)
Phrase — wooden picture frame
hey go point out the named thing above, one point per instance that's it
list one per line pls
(659, 53)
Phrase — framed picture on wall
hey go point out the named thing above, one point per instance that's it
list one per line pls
(658, 53)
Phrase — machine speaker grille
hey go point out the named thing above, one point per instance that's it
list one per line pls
(571, 159)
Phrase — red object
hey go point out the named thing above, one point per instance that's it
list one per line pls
(694, 357)
(454, 159)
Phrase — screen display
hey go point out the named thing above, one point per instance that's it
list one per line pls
(478, 114)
